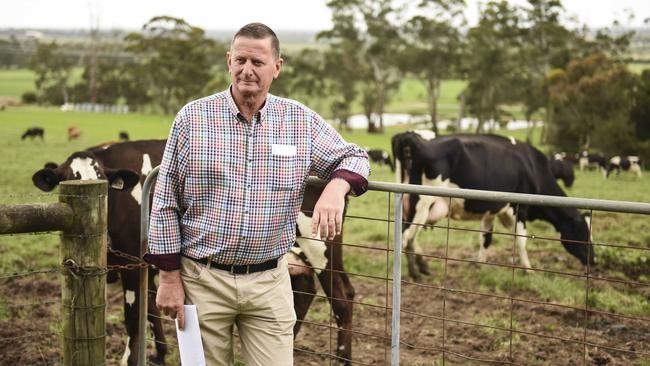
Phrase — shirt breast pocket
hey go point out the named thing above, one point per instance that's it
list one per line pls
(284, 172)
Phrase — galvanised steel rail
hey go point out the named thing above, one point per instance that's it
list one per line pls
(519, 198)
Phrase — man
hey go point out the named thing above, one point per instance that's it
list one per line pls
(229, 190)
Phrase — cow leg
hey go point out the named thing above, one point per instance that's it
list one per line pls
(130, 291)
(303, 286)
(304, 289)
(340, 293)
(130, 286)
(520, 231)
(485, 236)
(154, 318)
(428, 209)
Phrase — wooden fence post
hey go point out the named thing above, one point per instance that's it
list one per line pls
(83, 278)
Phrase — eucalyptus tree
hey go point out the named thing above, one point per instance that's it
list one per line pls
(382, 43)
(590, 105)
(177, 60)
(367, 37)
(434, 46)
(492, 64)
(546, 45)
(640, 114)
(52, 69)
(341, 67)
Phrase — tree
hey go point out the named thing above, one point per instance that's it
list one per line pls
(177, 60)
(52, 70)
(546, 45)
(590, 104)
(640, 114)
(434, 47)
(342, 60)
(492, 67)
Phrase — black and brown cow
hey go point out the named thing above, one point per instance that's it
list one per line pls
(311, 258)
(121, 164)
(493, 163)
(125, 166)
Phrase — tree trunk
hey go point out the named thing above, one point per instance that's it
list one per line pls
(433, 88)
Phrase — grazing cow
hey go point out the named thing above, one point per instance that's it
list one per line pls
(73, 133)
(631, 163)
(324, 260)
(102, 160)
(381, 157)
(124, 165)
(592, 161)
(562, 169)
(33, 133)
(123, 136)
(486, 162)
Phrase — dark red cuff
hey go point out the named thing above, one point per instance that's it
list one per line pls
(165, 262)
(358, 184)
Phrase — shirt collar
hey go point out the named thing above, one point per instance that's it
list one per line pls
(261, 114)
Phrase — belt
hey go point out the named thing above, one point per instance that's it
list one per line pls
(239, 268)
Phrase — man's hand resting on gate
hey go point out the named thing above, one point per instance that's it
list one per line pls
(328, 212)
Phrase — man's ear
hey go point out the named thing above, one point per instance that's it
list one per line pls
(278, 67)
(228, 59)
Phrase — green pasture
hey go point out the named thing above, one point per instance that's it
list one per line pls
(13, 83)
(367, 221)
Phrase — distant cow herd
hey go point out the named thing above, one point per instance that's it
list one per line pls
(484, 162)
(73, 133)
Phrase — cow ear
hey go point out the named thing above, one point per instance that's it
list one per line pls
(45, 179)
(51, 165)
(121, 179)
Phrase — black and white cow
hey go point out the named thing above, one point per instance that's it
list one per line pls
(380, 156)
(124, 165)
(33, 133)
(135, 160)
(486, 162)
(123, 136)
(592, 161)
(562, 169)
(625, 163)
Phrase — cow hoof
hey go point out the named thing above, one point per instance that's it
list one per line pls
(157, 360)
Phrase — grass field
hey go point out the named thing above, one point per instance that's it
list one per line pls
(20, 159)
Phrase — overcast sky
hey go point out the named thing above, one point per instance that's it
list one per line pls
(214, 14)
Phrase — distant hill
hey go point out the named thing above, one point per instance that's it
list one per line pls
(63, 35)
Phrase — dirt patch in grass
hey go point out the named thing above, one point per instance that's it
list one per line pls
(470, 328)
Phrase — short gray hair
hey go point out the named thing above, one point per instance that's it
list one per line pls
(259, 31)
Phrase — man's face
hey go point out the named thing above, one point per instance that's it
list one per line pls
(252, 66)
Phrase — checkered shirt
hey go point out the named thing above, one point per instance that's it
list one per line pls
(231, 190)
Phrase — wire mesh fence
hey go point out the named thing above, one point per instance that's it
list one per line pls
(464, 311)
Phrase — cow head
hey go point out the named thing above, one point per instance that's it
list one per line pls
(576, 239)
(83, 165)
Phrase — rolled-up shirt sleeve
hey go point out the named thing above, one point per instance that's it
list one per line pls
(333, 157)
(164, 248)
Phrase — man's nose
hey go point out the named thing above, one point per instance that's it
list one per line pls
(248, 68)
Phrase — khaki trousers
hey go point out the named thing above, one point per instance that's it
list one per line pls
(260, 304)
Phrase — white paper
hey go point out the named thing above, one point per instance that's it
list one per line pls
(189, 339)
(283, 150)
